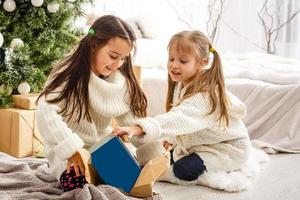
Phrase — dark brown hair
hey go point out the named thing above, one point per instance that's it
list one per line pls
(73, 72)
(210, 80)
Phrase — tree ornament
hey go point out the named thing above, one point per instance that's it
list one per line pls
(9, 5)
(1, 40)
(24, 88)
(5, 90)
(37, 3)
(43, 45)
(53, 7)
(2, 88)
(16, 43)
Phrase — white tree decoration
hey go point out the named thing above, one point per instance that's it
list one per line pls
(9, 5)
(16, 43)
(1, 40)
(215, 12)
(178, 15)
(37, 3)
(272, 23)
(53, 7)
(24, 88)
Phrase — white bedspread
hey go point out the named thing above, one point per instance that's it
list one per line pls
(264, 67)
(273, 111)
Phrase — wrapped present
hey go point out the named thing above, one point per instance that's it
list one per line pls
(143, 187)
(25, 101)
(19, 136)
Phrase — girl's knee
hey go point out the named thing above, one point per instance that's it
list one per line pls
(189, 168)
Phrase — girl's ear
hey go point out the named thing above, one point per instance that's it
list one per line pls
(202, 62)
(205, 61)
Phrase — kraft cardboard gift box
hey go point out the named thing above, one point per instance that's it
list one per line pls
(19, 136)
(143, 186)
(25, 101)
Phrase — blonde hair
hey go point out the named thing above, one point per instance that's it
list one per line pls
(210, 81)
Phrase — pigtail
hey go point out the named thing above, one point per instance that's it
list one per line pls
(170, 94)
(217, 87)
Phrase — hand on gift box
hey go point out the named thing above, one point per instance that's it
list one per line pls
(129, 130)
(167, 145)
(77, 162)
(90, 173)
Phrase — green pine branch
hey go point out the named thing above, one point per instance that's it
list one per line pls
(47, 38)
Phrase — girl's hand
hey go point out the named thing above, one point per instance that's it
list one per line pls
(166, 144)
(77, 163)
(130, 131)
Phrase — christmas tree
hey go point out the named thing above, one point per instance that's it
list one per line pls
(33, 35)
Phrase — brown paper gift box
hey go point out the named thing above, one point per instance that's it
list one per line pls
(19, 136)
(143, 186)
(25, 101)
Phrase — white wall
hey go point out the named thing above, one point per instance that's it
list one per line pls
(239, 32)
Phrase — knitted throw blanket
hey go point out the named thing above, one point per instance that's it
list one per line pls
(28, 178)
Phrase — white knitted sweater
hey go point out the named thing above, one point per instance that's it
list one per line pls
(62, 138)
(193, 130)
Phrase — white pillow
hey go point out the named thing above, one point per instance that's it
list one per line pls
(151, 53)
(135, 28)
(149, 27)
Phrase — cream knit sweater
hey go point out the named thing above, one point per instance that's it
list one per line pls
(193, 130)
(62, 139)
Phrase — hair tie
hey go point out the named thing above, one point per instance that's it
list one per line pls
(92, 32)
(211, 49)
